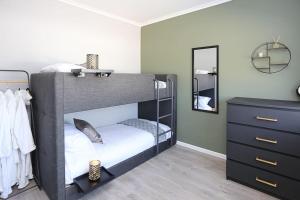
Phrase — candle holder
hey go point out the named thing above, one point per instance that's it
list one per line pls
(92, 61)
(94, 170)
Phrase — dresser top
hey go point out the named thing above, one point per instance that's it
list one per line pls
(294, 105)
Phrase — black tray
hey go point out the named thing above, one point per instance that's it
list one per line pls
(85, 185)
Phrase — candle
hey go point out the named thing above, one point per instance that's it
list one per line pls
(94, 170)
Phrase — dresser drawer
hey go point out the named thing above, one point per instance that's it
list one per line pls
(274, 162)
(265, 138)
(262, 180)
(285, 120)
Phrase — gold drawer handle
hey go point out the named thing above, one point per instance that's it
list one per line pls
(274, 185)
(266, 119)
(266, 161)
(266, 140)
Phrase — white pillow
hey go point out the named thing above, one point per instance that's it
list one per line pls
(61, 67)
(202, 103)
(161, 85)
(79, 150)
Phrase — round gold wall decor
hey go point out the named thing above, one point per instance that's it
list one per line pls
(271, 57)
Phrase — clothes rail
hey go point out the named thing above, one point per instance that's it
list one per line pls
(27, 81)
(16, 71)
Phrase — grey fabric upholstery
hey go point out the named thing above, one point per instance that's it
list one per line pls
(48, 106)
(91, 92)
(57, 93)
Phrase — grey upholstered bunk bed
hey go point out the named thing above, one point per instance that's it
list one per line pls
(56, 94)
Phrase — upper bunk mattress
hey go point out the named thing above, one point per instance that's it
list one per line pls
(120, 142)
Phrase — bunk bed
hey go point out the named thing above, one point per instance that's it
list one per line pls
(57, 94)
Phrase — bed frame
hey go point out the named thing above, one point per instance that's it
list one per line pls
(56, 94)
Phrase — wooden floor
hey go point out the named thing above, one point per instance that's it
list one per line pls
(177, 173)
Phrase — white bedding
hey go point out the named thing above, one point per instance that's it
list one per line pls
(120, 143)
(61, 67)
(161, 85)
(202, 102)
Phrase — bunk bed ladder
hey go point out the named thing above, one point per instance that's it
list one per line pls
(171, 114)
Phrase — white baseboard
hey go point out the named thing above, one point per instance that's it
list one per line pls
(202, 150)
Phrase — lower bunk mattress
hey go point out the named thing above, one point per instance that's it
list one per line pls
(120, 142)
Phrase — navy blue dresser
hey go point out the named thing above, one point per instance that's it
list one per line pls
(263, 145)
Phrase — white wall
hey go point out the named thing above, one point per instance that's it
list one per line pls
(105, 116)
(35, 33)
(205, 59)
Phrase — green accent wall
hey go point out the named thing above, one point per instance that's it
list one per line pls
(238, 27)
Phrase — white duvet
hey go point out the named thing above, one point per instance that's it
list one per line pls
(120, 143)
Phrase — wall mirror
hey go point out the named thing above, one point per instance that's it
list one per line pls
(205, 79)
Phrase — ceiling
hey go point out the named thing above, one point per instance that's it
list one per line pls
(143, 12)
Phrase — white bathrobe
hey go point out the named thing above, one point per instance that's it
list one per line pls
(14, 159)
(5, 147)
(24, 139)
(1, 110)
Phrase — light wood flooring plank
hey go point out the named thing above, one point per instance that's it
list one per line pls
(176, 174)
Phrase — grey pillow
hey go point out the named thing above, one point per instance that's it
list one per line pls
(88, 130)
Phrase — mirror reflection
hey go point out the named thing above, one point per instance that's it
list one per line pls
(205, 78)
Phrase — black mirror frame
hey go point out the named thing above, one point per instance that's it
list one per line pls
(217, 93)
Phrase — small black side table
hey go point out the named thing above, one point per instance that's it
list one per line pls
(85, 185)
